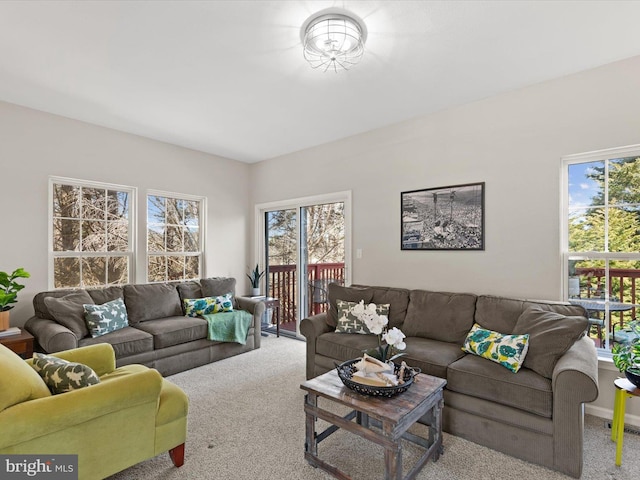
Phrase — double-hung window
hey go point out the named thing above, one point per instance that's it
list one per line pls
(90, 233)
(174, 236)
(601, 238)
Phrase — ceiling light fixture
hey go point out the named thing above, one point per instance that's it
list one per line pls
(333, 41)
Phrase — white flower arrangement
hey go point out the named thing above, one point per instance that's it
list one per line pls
(378, 325)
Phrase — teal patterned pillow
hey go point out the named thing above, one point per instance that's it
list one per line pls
(62, 376)
(349, 323)
(105, 318)
(507, 350)
(194, 307)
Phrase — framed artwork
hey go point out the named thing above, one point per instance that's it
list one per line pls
(443, 218)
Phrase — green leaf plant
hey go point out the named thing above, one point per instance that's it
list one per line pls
(255, 275)
(626, 355)
(9, 288)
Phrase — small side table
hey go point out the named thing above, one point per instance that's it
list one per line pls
(270, 302)
(624, 389)
(21, 343)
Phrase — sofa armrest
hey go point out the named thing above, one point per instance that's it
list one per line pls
(312, 327)
(250, 304)
(35, 418)
(100, 357)
(574, 382)
(50, 335)
(256, 307)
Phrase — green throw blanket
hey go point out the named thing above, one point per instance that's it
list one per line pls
(229, 326)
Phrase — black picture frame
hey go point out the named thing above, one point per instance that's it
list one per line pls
(443, 218)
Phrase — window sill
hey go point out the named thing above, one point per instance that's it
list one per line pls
(605, 362)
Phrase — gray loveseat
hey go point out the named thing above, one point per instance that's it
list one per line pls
(529, 415)
(158, 336)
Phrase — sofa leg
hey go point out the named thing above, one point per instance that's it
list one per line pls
(177, 455)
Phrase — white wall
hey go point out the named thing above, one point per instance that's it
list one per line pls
(35, 145)
(513, 142)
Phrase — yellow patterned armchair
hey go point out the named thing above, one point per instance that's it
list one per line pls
(133, 414)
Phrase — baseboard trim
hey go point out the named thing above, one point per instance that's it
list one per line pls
(608, 414)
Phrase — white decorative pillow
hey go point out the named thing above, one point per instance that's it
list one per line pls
(507, 350)
(105, 318)
(62, 376)
(349, 323)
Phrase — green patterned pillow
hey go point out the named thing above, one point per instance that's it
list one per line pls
(349, 323)
(62, 376)
(507, 350)
(194, 307)
(105, 318)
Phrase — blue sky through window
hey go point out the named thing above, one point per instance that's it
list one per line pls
(583, 189)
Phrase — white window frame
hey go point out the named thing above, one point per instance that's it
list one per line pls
(599, 155)
(130, 253)
(202, 230)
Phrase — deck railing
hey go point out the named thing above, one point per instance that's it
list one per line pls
(622, 288)
(283, 284)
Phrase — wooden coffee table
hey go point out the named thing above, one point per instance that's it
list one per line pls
(384, 421)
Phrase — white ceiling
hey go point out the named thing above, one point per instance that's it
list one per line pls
(229, 78)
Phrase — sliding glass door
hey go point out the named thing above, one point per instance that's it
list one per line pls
(305, 248)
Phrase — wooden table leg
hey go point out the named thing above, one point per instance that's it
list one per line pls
(392, 455)
(310, 443)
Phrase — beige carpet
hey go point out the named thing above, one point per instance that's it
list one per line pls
(246, 422)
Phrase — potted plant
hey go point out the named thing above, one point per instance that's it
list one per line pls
(9, 289)
(626, 354)
(255, 275)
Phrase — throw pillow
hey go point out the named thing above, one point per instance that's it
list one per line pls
(105, 318)
(507, 350)
(551, 334)
(348, 294)
(62, 376)
(194, 307)
(349, 323)
(68, 311)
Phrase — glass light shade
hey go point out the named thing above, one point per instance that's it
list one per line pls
(333, 41)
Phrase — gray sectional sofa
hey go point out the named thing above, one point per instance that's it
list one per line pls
(158, 335)
(535, 414)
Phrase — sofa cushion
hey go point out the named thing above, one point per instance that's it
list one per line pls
(18, 381)
(69, 312)
(431, 356)
(216, 286)
(551, 334)
(344, 346)
(105, 318)
(174, 330)
(447, 317)
(39, 306)
(125, 342)
(107, 294)
(189, 290)
(348, 294)
(507, 350)
(501, 314)
(479, 378)
(150, 301)
(348, 322)
(62, 376)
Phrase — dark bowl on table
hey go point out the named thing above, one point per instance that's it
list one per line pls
(633, 378)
